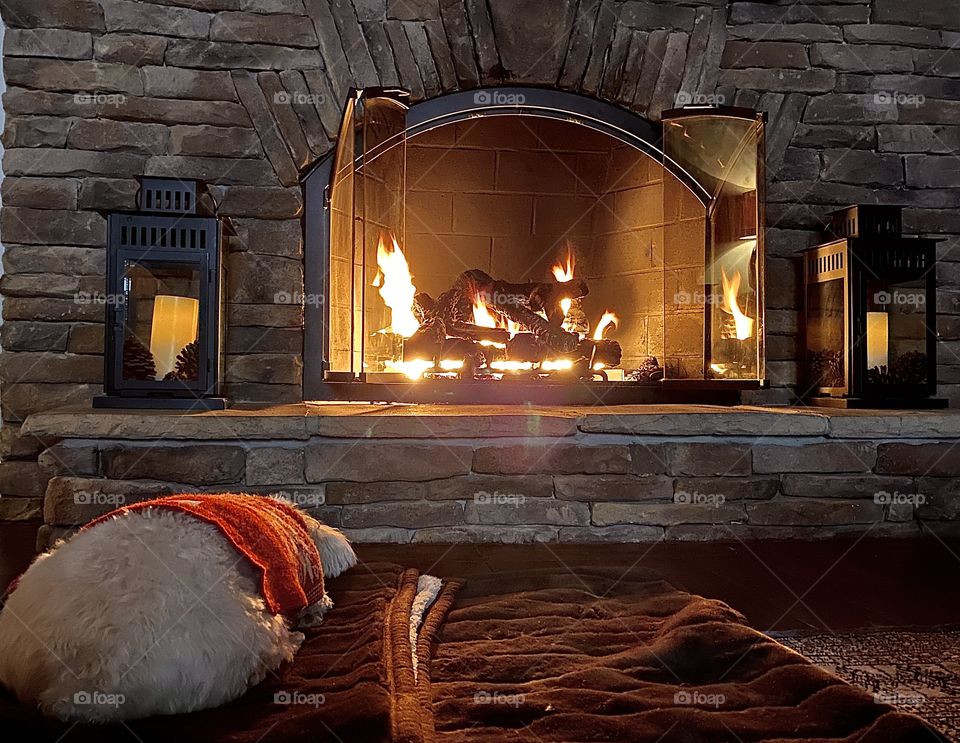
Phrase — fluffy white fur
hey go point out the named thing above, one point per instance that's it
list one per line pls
(154, 613)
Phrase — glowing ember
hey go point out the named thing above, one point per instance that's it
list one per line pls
(558, 365)
(608, 319)
(396, 287)
(412, 369)
(564, 273)
(731, 287)
(511, 365)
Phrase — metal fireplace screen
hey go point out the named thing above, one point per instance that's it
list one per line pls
(530, 240)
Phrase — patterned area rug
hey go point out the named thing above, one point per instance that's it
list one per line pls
(918, 672)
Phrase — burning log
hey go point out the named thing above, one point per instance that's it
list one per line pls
(424, 306)
(472, 332)
(448, 330)
(606, 351)
(525, 347)
(513, 301)
(426, 343)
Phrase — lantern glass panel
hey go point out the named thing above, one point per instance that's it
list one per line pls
(161, 321)
(826, 343)
(896, 333)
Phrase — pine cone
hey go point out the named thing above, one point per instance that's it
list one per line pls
(138, 362)
(826, 368)
(187, 368)
(911, 368)
(648, 371)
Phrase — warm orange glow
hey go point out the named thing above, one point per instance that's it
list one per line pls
(731, 287)
(174, 325)
(878, 339)
(481, 315)
(564, 273)
(412, 369)
(608, 319)
(396, 287)
(548, 365)
(511, 365)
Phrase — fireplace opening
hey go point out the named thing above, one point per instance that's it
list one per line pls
(521, 245)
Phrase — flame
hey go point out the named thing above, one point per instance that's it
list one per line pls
(451, 364)
(556, 365)
(731, 287)
(481, 315)
(484, 318)
(396, 287)
(564, 273)
(608, 319)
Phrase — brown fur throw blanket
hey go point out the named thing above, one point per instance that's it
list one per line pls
(556, 657)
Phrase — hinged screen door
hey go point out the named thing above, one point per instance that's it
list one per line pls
(366, 209)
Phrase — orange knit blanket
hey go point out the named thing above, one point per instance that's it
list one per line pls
(272, 535)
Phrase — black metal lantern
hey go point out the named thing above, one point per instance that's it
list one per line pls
(163, 301)
(870, 313)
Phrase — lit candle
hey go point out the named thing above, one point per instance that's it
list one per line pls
(877, 339)
(175, 323)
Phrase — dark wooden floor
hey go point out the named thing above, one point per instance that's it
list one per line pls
(833, 585)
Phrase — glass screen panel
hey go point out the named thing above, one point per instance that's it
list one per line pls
(724, 154)
(380, 198)
(341, 288)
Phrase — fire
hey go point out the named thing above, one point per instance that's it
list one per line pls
(608, 319)
(396, 287)
(485, 319)
(564, 273)
(481, 315)
(731, 287)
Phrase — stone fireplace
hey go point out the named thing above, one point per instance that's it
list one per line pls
(860, 106)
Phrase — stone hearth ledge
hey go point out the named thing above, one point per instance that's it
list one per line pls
(435, 473)
(360, 420)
